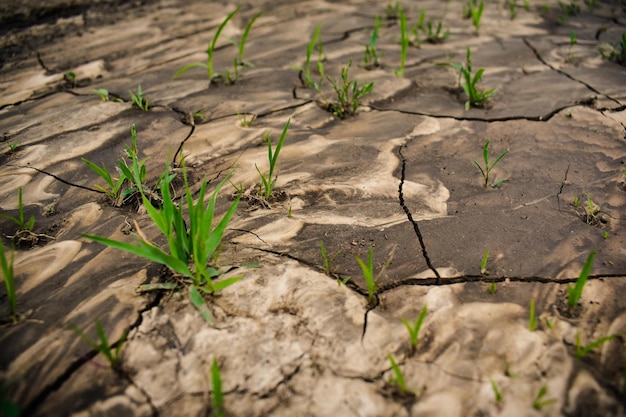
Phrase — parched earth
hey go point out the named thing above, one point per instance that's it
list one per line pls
(293, 338)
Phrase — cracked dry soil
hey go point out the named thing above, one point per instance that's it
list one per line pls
(399, 177)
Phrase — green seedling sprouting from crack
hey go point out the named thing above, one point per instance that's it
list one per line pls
(193, 242)
(23, 225)
(13, 146)
(306, 69)
(488, 168)
(404, 44)
(368, 274)
(238, 61)
(582, 351)
(615, 52)
(492, 288)
(371, 58)
(532, 319)
(328, 264)
(267, 183)
(496, 392)
(398, 378)
(103, 346)
(574, 293)
(138, 99)
(483, 263)
(476, 97)
(414, 329)
(8, 277)
(539, 402)
(218, 394)
(104, 95)
(348, 93)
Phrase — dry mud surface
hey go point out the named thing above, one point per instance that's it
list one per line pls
(398, 177)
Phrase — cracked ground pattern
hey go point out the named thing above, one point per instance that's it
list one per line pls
(399, 177)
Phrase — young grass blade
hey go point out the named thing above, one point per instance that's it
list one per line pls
(309, 53)
(404, 43)
(190, 66)
(539, 402)
(496, 391)
(198, 302)
(399, 377)
(483, 264)
(9, 280)
(244, 38)
(581, 351)
(415, 329)
(532, 320)
(218, 395)
(574, 293)
(368, 273)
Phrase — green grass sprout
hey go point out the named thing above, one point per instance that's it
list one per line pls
(492, 288)
(9, 280)
(328, 264)
(475, 12)
(496, 391)
(114, 185)
(572, 41)
(306, 68)
(208, 65)
(110, 352)
(371, 58)
(20, 220)
(404, 44)
(532, 320)
(435, 35)
(398, 379)
(13, 146)
(218, 394)
(483, 263)
(368, 274)
(242, 43)
(267, 183)
(539, 402)
(102, 92)
(138, 99)
(348, 94)
(582, 351)
(615, 52)
(415, 328)
(574, 293)
(488, 168)
(476, 97)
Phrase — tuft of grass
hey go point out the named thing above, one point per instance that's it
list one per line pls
(103, 346)
(539, 402)
(474, 11)
(20, 220)
(238, 61)
(582, 351)
(348, 94)
(415, 328)
(267, 183)
(190, 243)
(246, 119)
(306, 69)
(398, 378)
(404, 43)
(476, 97)
(512, 5)
(138, 99)
(368, 274)
(13, 146)
(8, 277)
(328, 264)
(218, 394)
(483, 263)
(488, 168)
(371, 58)
(435, 34)
(574, 293)
(532, 320)
(208, 65)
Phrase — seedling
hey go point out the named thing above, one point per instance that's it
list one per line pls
(483, 263)
(404, 44)
(567, 10)
(115, 185)
(208, 65)
(13, 146)
(20, 220)
(328, 264)
(591, 212)
(218, 395)
(138, 99)
(435, 35)
(492, 288)
(532, 320)
(576, 202)
(496, 392)
(572, 42)
(415, 328)
(371, 59)
(512, 4)
(102, 92)
(574, 293)
(539, 402)
(110, 352)
(70, 78)
(315, 41)
(267, 183)
(348, 94)
(398, 378)
(581, 351)
(475, 12)
(605, 235)
(615, 52)
(193, 245)
(476, 97)
(368, 274)
(487, 169)
(246, 119)
(242, 43)
(9, 280)
(393, 10)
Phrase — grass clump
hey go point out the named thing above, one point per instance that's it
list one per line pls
(487, 169)
(414, 329)
(574, 293)
(103, 346)
(474, 10)
(371, 58)
(20, 221)
(398, 378)
(8, 277)
(476, 97)
(138, 99)
(268, 182)
(368, 274)
(306, 68)
(192, 245)
(348, 94)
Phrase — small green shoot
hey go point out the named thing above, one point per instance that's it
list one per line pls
(492, 288)
(267, 183)
(549, 323)
(574, 293)
(13, 146)
(615, 52)
(393, 10)
(218, 394)
(242, 43)
(512, 5)
(9, 280)
(539, 402)
(328, 264)
(20, 220)
(487, 169)
(138, 99)
(415, 328)
(572, 41)
(371, 59)
(368, 274)
(315, 41)
(246, 119)
(398, 379)
(110, 352)
(476, 97)
(568, 10)
(115, 185)
(605, 235)
(475, 12)
(496, 392)
(404, 44)
(582, 351)
(532, 320)
(103, 93)
(208, 65)
(483, 263)
(435, 35)
(348, 94)
(70, 78)
(576, 202)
